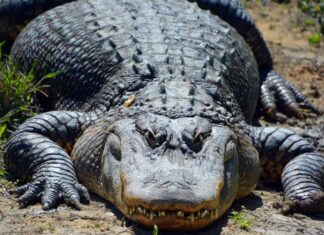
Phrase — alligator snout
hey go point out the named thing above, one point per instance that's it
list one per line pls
(173, 197)
(174, 179)
(176, 173)
(172, 190)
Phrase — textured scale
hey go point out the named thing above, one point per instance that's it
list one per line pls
(125, 47)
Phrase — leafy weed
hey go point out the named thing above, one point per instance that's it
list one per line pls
(240, 219)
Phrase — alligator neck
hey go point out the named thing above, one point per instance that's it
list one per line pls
(178, 98)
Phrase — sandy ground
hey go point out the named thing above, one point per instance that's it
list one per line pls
(297, 61)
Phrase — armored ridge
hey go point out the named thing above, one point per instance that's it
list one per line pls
(15, 14)
(109, 60)
(160, 97)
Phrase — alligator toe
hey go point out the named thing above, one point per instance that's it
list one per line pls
(314, 202)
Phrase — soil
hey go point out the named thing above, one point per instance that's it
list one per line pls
(298, 62)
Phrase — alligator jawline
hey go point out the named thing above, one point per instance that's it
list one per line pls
(153, 215)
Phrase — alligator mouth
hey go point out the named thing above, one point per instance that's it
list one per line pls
(173, 219)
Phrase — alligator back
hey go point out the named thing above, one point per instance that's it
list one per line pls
(105, 49)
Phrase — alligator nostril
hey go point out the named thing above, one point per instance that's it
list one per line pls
(194, 143)
(197, 144)
(184, 149)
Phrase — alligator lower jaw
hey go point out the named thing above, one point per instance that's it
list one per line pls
(168, 219)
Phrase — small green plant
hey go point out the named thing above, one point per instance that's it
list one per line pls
(240, 219)
(17, 103)
(97, 225)
(17, 94)
(313, 14)
(6, 180)
(51, 227)
(315, 39)
(312, 7)
(155, 230)
(309, 22)
(313, 10)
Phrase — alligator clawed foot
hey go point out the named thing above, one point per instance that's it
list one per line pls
(52, 192)
(275, 90)
(314, 202)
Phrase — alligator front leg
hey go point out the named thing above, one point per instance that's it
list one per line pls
(35, 152)
(300, 165)
(277, 90)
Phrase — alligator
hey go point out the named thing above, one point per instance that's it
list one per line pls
(153, 110)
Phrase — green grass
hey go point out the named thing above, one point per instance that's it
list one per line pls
(309, 22)
(312, 7)
(240, 219)
(17, 95)
(97, 225)
(155, 230)
(51, 227)
(6, 180)
(17, 102)
(313, 11)
(315, 39)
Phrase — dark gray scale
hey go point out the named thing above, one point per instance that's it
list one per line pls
(120, 47)
(15, 14)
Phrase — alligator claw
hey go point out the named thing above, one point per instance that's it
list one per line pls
(19, 190)
(31, 195)
(276, 90)
(28, 193)
(52, 192)
(84, 194)
(314, 202)
(51, 195)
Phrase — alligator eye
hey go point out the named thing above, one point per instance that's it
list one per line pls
(197, 143)
(114, 146)
(150, 138)
(155, 140)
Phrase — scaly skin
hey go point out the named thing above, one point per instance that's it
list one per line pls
(161, 95)
(15, 14)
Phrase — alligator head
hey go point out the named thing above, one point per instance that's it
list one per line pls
(176, 171)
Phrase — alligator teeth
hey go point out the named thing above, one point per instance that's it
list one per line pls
(215, 213)
(162, 213)
(204, 213)
(131, 210)
(140, 210)
(180, 214)
(212, 213)
(152, 215)
(192, 217)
